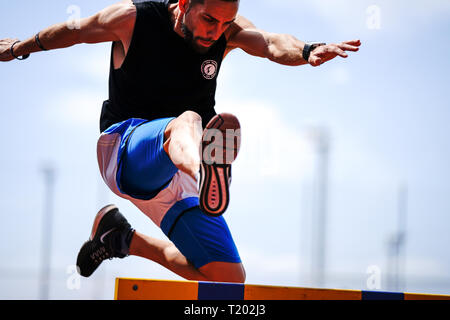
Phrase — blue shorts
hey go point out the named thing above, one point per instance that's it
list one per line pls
(203, 239)
(144, 170)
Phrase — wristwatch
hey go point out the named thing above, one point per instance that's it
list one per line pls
(11, 50)
(309, 47)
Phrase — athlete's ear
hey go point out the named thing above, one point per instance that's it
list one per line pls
(183, 5)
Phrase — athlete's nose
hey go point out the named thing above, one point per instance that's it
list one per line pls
(214, 33)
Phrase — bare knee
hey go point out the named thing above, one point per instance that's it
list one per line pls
(190, 117)
(185, 123)
(182, 141)
(224, 272)
(188, 124)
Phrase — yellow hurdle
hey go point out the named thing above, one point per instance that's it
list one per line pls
(149, 289)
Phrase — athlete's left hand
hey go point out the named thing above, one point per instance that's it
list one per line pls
(5, 49)
(325, 53)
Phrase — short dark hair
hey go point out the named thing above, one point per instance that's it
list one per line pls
(192, 2)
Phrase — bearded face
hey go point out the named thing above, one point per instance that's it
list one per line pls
(204, 23)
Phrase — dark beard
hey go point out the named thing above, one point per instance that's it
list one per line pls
(189, 39)
(188, 35)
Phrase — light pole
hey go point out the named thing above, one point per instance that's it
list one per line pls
(396, 245)
(47, 224)
(321, 140)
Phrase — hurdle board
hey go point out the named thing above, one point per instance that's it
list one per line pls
(150, 289)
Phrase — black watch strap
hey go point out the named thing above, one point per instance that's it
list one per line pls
(11, 49)
(309, 47)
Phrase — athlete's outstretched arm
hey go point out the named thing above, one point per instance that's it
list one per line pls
(109, 24)
(282, 48)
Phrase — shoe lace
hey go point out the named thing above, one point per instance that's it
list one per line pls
(100, 254)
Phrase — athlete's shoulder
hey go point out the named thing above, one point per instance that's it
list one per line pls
(241, 23)
(152, 9)
(151, 3)
(118, 14)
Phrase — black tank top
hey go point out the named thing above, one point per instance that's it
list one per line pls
(161, 76)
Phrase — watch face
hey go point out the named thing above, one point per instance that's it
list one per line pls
(317, 44)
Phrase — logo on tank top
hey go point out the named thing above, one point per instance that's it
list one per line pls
(209, 69)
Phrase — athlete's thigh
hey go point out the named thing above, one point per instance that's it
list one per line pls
(145, 166)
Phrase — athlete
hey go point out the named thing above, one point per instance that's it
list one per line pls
(162, 145)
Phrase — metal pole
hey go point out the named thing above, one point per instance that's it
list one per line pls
(396, 244)
(319, 238)
(47, 224)
(402, 215)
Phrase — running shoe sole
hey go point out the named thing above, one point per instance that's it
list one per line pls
(220, 146)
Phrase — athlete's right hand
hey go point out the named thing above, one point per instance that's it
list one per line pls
(5, 49)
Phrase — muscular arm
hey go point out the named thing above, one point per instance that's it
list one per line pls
(110, 24)
(284, 49)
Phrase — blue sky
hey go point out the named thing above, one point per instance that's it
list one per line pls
(386, 109)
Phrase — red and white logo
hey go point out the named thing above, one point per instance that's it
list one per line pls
(209, 69)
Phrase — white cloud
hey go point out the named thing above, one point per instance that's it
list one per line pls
(350, 15)
(269, 144)
(340, 75)
(345, 14)
(425, 267)
(329, 8)
(75, 108)
(95, 62)
(278, 268)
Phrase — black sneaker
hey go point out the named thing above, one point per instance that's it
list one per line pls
(110, 238)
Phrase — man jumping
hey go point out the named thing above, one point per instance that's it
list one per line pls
(156, 148)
